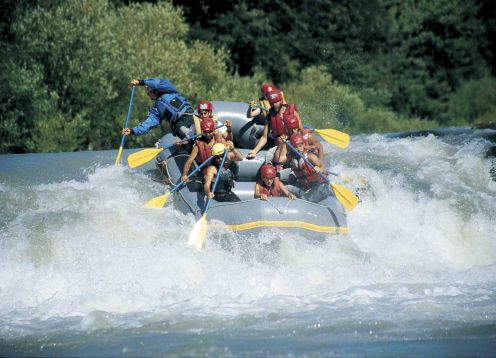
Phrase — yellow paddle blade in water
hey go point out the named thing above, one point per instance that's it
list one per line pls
(335, 137)
(157, 202)
(118, 159)
(198, 233)
(142, 157)
(345, 197)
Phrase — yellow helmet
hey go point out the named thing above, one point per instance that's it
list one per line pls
(218, 149)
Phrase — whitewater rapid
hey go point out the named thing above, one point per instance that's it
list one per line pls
(79, 253)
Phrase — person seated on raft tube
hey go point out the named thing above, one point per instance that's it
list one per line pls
(202, 147)
(228, 173)
(169, 104)
(270, 185)
(204, 111)
(310, 140)
(275, 123)
(313, 187)
(254, 111)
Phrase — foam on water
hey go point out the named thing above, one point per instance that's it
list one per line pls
(84, 253)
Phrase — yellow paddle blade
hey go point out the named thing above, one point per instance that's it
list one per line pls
(118, 159)
(345, 197)
(157, 202)
(198, 233)
(332, 136)
(142, 157)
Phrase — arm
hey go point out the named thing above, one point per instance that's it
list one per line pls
(281, 154)
(253, 111)
(211, 171)
(227, 135)
(234, 154)
(312, 158)
(187, 165)
(258, 194)
(285, 191)
(261, 142)
(152, 120)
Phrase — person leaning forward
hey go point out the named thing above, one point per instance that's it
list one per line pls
(223, 190)
(169, 104)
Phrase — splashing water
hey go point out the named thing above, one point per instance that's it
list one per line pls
(85, 270)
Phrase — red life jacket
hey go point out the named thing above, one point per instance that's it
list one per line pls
(275, 190)
(276, 121)
(205, 150)
(304, 173)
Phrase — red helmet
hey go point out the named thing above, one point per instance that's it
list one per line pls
(205, 106)
(268, 171)
(290, 121)
(274, 96)
(268, 87)
(296, 139)
(207, 125)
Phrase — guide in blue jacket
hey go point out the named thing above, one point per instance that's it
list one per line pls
(170, 104)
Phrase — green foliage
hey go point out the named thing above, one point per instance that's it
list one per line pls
(359, 66)
(324, 103)
(474, 101)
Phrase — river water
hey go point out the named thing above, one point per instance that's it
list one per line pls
(86, 271)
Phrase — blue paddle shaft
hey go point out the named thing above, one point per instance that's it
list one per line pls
(189, 138)
(216, 179)
(306, 161)
(129, 110)
(181, 183)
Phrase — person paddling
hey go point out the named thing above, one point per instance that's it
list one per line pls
(275, 124)
(314, 187)
(202, 147)
(228, 173)
(270, 185)
(169, 104)
(204, 111)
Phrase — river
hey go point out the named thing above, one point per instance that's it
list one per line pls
(86, 271)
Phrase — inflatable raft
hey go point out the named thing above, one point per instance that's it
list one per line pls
(250, 215)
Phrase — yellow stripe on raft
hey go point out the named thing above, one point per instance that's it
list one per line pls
(288, 224)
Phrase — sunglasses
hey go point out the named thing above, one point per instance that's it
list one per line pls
(207, 132)
(203, 111)
(217, 157)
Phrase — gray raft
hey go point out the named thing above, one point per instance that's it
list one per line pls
(250, 216)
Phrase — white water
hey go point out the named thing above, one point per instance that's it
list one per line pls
(80, 254)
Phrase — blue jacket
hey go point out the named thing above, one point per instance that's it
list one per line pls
(171, 105)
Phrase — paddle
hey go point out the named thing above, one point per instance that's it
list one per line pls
(137, 159)
(199, 231)
(158, 202)
(129, 108)
(331, 136)
(345, 197)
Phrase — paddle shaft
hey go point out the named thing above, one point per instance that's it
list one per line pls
(181, 183)
(216, 180)
(188, 138)
(129, 110)
(307, 161)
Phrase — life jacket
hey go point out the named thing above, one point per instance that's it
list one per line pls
(175, 105)
(276, 120)
(205, 150)
(304, 173)
(275, 190)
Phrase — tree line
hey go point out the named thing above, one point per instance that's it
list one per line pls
(358, 66)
